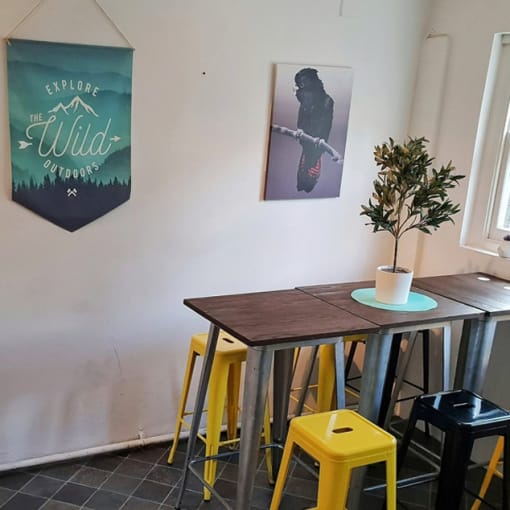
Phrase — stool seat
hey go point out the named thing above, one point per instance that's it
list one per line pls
(462, 409)
(463, 416)
(227, 345)
(342, 436)
(339, 441)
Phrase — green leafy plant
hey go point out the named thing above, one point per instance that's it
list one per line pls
(408, 194)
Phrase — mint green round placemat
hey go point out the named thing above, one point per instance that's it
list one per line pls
(416, 302)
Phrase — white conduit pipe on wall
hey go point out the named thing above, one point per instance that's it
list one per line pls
(428, 101)
(87, 452)
(429, 90)
(98, 450)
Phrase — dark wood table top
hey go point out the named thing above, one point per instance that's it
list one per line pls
(282, 316)
(484, 291)
(339, 294)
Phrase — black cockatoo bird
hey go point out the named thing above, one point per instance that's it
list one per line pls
(315, 117)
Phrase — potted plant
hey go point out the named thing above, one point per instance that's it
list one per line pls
(408, 194)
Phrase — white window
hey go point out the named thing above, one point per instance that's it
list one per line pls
(487, 218)
(500, 217)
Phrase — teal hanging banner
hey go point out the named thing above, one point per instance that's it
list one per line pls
(70, 126)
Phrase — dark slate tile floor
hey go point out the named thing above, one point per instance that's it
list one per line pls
(140, 479)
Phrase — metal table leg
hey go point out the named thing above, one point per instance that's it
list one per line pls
(377, 355)
(258, 369)
(199, 406)
(282, 381)
(411, 341)
(340, 373)
(474, 353)
(389, 379)
(447, 356)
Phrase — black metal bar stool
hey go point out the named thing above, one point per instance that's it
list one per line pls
(463, 416)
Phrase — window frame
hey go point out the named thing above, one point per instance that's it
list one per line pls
(491, 155)
(501, 188)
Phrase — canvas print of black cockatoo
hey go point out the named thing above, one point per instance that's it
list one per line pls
(308, 131)
(315, 117)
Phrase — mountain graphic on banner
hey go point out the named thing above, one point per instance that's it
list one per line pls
(74, 105)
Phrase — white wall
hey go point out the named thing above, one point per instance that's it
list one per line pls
(94, 334)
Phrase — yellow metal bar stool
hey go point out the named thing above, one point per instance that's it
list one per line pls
(223, 392)
(339, 441)
(326, 390)
(326, 385)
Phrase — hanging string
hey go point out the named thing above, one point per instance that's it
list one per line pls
(40, 2)
(115, 26)
(28, 15)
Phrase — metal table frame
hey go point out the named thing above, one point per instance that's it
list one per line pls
(258, 368)
(486, 292)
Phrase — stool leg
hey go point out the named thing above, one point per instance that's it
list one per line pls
(391, 481)
(454, 461)
(282, 473)
(297, 354)
(326, 377)
(491, 469)
(308, 369)
(190, 365)
(215, 411)
(267, 440)
(233, 388)
(506, 477)
(333, 487)
(406, 438)
(350, 359)
(425, 349)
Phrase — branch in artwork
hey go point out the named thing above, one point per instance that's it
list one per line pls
(299, 134)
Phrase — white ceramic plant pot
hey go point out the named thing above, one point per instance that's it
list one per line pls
(504, 250)
(392, 288)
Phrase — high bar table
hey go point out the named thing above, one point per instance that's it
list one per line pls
(271, 322)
